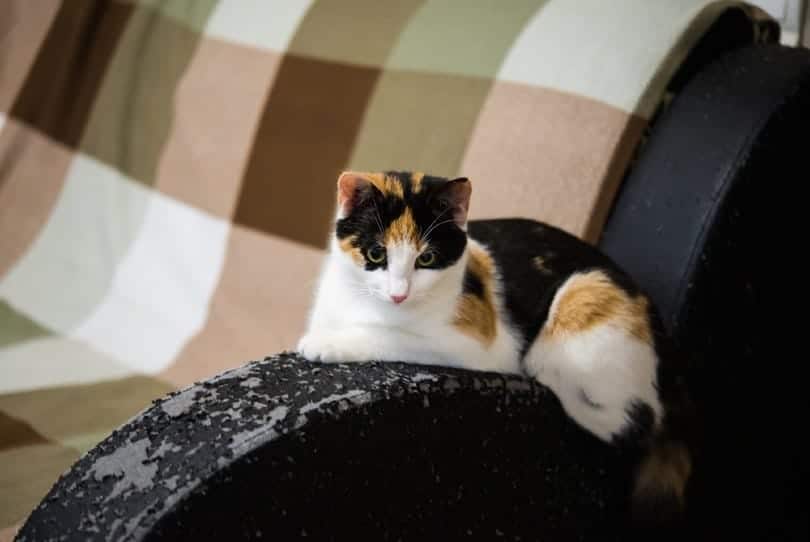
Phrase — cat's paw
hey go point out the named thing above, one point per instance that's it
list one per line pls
(329, 348)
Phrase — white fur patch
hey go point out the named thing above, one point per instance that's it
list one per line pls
(604, 364)
(353, 319)
(401, 258)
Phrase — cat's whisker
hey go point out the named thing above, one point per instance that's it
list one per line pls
(427, 233)
(436, 225)
(360, 288)
(359, 292)
(438, 217)
(356, 283)
(428, 230)
(372, 291)
(378, 218)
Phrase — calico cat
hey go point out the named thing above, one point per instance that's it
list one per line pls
(409, 278)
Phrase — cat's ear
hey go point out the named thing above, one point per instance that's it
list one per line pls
(455, 195)
(352, 188)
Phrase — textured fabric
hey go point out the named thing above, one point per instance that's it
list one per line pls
(276, 440)
(167, 170)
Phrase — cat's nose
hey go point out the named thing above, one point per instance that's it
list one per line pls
(398, 298)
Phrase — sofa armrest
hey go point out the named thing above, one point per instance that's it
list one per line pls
(286, 448)
(700, 223)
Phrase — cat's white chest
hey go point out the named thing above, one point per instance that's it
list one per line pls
(348, 325)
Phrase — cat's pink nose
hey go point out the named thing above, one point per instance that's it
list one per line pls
(398, 298)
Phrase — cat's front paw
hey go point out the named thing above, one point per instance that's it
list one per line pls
(328, 348)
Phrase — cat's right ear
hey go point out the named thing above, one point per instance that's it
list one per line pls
(454, 196)
(352, 187)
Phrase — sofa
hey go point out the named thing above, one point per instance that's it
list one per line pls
(276, 446)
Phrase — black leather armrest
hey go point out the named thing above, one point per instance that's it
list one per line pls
(701, 223)
(286, 449)
(742, 120)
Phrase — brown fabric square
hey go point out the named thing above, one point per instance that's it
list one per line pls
(23, 27)
(304, 139)
(15, 433)
(60, 89)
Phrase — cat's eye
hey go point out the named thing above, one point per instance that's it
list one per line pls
(426, 258)
(376, 254)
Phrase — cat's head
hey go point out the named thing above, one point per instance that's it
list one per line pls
(400, 231)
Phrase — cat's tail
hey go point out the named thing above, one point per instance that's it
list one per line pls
(659, 490)
(667, 461)
(660, 496)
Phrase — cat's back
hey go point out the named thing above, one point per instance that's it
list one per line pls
(533, 258)
(535, 244)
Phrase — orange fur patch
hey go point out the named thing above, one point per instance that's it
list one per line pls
(403, 230)
(665, 471)
(590, 299)
(389, 186)
(475, 315)
(347, 245)
(416, 181)
(481, 265)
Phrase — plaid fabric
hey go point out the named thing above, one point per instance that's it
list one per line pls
(167, 171)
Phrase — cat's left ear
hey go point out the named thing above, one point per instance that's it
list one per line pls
(455, 194)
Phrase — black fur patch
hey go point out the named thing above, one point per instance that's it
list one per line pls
(368, 221)
(639, 428)
(514, 243)
(473, 285)
(437, 225)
